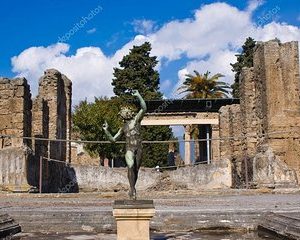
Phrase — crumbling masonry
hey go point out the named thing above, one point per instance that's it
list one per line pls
(264, 128)
(47, 116)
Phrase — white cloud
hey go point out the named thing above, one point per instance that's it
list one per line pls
(143, 26)
(181, 77)
(209, 41)
(89, 69)
(212, 38)
(280, 30)
(91, 31)
(213, 28)
(253, 5)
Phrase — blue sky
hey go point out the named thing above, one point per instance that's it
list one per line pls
(186, 35)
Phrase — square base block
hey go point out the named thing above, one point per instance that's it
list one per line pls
(133, 217)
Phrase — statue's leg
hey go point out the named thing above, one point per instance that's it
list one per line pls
(138, 158)
(129, 157)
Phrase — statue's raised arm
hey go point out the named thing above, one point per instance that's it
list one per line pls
(139, 116)
(108, 134)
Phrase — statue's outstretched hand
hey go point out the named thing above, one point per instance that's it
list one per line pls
(135, 93)
(105, 126)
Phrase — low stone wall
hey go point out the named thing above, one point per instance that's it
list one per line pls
(204, 176)
(13, 168)
(215, 175)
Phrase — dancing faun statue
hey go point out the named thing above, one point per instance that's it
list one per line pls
(132, 131)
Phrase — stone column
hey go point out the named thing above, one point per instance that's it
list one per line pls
(215, 143)
(230, 144)
(133, 217)
(187, 145)
(52, 89)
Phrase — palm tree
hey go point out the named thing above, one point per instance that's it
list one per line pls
(204, 86)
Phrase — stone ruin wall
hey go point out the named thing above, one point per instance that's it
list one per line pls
(269, 116)
(15, 111)
(15, 119)
(47, 116)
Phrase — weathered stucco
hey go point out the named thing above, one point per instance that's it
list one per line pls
(13, 168)
(215, 175)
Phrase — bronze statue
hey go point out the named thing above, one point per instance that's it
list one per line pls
(132, 131)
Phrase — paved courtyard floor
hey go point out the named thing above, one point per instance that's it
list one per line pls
(154, 236)
(179, 214)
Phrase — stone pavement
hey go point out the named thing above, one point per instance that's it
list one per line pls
(283, 225)
(175, 211)
(154, 236)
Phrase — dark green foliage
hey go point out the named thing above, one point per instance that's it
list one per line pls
(155, 153)
(87, 122)
(137, 72)
(245, 59)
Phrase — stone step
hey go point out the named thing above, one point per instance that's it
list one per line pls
(281, 225)
(8, 226)
(64, 221)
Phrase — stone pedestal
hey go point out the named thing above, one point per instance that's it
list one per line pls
(133, 218)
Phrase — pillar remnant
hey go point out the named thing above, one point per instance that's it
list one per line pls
(15, 120)
(52, 120)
